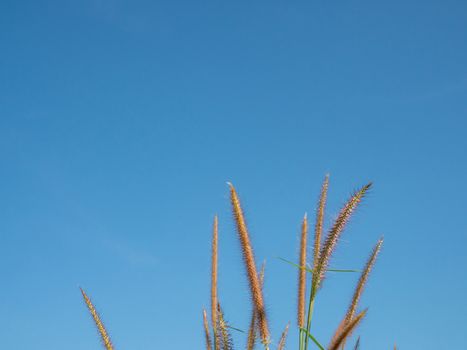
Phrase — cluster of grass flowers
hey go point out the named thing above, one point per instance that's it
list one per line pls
(216, 329)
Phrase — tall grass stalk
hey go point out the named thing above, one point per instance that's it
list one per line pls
(214, 300)
(319, 270)
(97, 320)
(248, 258)
(206, 331)
(302, 279)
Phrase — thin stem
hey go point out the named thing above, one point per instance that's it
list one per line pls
(310, 314)
(301, 339)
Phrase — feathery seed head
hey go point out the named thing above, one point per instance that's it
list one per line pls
(302, 274)
(100, 326)
(252, 330)
(362, 280)
(335, 233)
(283, 338)
(214, 272)
(248, 258)
(225, 339)
(319, 220)
(206, 330)
(346, 331)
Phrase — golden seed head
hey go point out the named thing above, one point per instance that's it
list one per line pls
(335, 233)
(346, 331)
(319, 220)
(362, 281)
(302, 274)
(100, 326)
(206, 330)
(214, 272)
(283, 338)
(248, 258)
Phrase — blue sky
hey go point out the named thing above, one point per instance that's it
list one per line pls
(120, 123)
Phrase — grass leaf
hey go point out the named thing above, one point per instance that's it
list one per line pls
(318, 344)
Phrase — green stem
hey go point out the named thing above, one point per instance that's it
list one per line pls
(311, 304)
(300, 339)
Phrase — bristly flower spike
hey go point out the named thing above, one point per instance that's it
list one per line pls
(342, 335)
(302, 274)
(206, 331)
(335, 233)
(214, 299)
(100, 326)
(225, 339)
(251, 340)
(319, 224)
(248, 258)
(281, 345)
(362, 281)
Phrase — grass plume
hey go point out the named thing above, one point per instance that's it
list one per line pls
(283, 338)
(335, 233)
(206, 331)
(251, 340)
(302, 274)
(225, 339)
(248, 258)
(214, 300)
(360, 285)
(100, 326)
(346, 331)
(362, 281)
(319, 221)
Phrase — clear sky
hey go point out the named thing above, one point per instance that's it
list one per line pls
(122, 121)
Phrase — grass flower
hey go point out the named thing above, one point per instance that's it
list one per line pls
(248, 258)
(206, 330)
(302, 274)
(345, 331)
(100, 326)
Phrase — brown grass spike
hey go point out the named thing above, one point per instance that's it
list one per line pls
(362, 281)
(206, 330)
(225, 340)
(346, 331)
(302, 274)
(214, 280)
(319, 222)
(283, 338)
(100, 326)
(336, 231)
(251, 340)
(250, 344)
(248, 258)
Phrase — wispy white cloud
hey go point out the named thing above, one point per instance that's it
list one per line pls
(131, 255)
